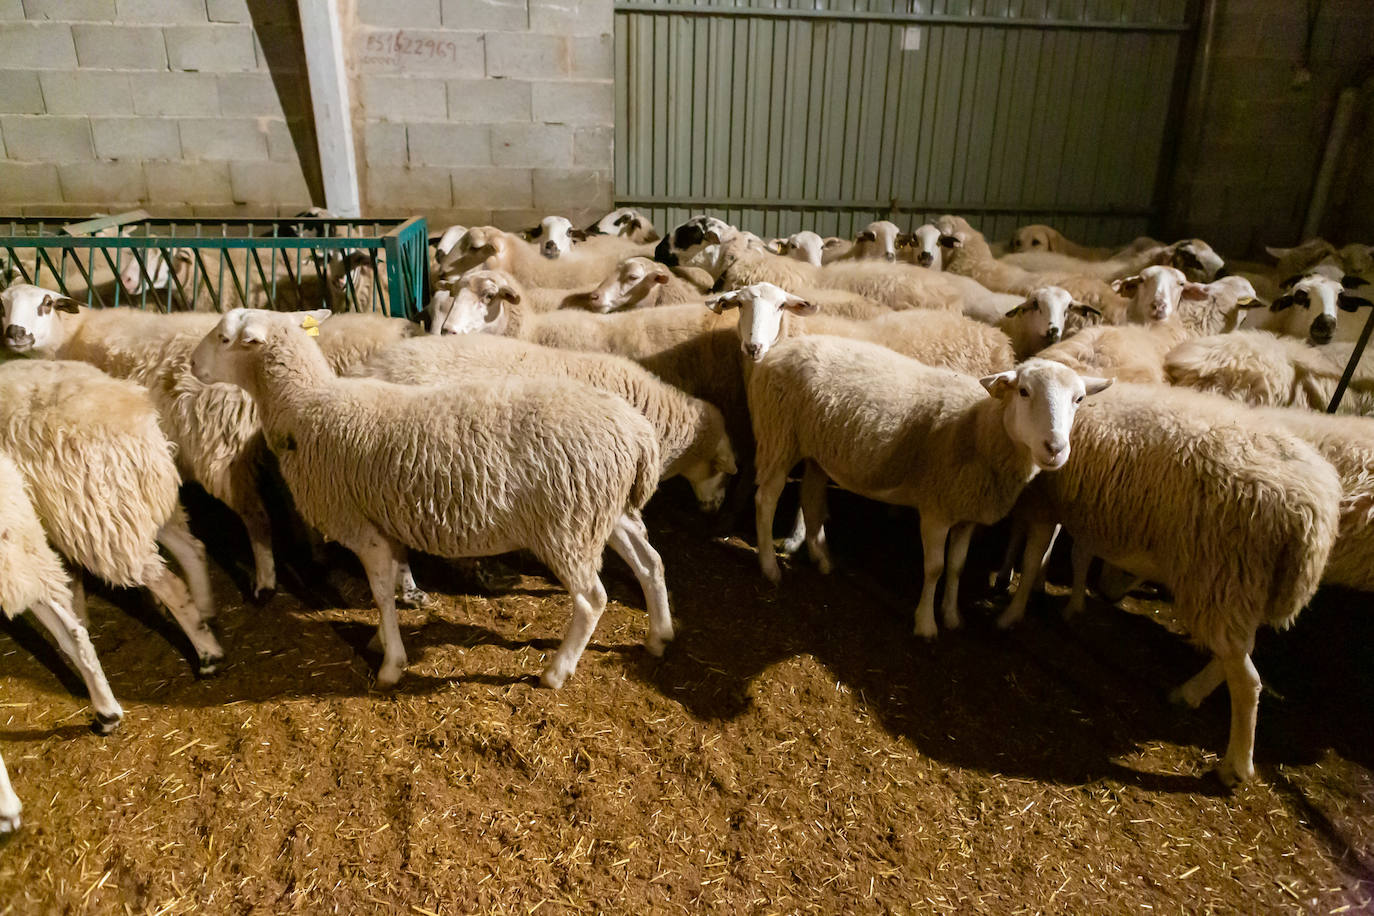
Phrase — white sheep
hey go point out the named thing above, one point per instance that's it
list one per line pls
(1167, 484)
(893, 429)
(32, 579)
(215, 428)
(1042, 319)
(496, 465)
(923, 243)
(66, 422)
(643, 283)
(1317, 306)
(805, 246)
(967, 253)
(554, 236)
(1176, 310)
(582, 268)
(691, 432)
(1270, 370)
(877, 241)
(627, 223)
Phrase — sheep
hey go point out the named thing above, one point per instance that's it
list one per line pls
(718, 248)
(495, 465)
(967, 253)
(1137, 352)
(1316, 305)
(1039, 237)
(924, 243)
(65, 422)
(770, 315)
(890, 428)
(1266, 369)
(877, 241)
(1042, 319)
(582, 268)
(1113, 268)
(1165, 483)
(215, 428)
(32, 579)
(691, 432)
(805, 246)
(642, 283)
(447, 240)
(626, 223)
(10, 806)
(554, 236)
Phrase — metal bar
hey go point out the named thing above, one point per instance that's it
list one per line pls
(176, 281)
(733, 203)
(996, 22)
(101, 223)
(1354, 362)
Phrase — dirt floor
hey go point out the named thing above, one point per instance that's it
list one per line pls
(797, 750)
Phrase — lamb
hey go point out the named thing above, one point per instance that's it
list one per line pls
(215, 429)
(498, 464)
(1165, 484)
(854, 409)
(625, 223)
(717, 248)
(967, 253)
(554, 236)
(805, 246)
(878, 241)
(924, 243)
(1269, 370)
(691, 432)
(1042, 319)
(1137, 352)
(32, 579)
(65, 421)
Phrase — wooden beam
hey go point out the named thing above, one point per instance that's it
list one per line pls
(324, 60)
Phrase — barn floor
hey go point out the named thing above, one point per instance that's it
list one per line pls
(796, 751)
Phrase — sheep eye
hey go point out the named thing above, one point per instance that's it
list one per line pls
(1025, 392)
(1078, 400)
(224, 339)
(1035, 243)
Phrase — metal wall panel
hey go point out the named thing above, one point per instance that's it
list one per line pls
(780, 115)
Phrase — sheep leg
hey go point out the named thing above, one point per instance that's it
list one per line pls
(381, 561)
(815, 510)
(934, 535)
(79, 597)
(1200, 686)
(75, 643)
(959, 539)
(794, 540)
(765, 505)
(408, 594)
(630, 540)
(1243, 681)
(246, 500)
(172, 592)
(589, 600)
(189, 553)
(1082, 558)
(10, 807)
(1015, 540)
(1039, 541)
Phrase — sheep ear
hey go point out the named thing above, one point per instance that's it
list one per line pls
(1350, 303)
(868, 235)
(63, 304)
(711, 237)
(1085, 310)
(951, 241)
(1000, 384)
(507, 293)
(318, 315)
(832, 242)
(1353, 281)
(662, 275)
(1126, 286)
(1093, 384)
(1194, 291)
(719, 304)
(1021, 309)
(1281, 303)
(1289, 281)
(1250, 302)
(577, 235)
(799, 306)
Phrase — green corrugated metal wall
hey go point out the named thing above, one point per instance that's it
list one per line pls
(779, 116)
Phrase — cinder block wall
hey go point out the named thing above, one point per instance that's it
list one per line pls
(1264, 130)
(485, 111)
(163, 104)
(464, 110)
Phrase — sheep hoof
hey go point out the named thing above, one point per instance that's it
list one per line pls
(1008, 620)
(657, 645)
(388, 675)
(1230, 777)
(414, 598)
(209, 665)
(1179, 697)
(927, 632)
(264, 593)
(790, 546)
(553, 678)
(1002, 582)
(953, 621)
(9, 823)
(104, 723)
(1072, 610)
(771, 572)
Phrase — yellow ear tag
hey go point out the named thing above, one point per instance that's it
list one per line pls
(1246, 301)
(312, 327)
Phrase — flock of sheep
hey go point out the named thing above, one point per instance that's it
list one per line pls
(1162, 407)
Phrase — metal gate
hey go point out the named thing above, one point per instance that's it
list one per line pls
(781, 117)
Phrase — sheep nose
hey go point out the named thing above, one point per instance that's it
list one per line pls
(754, 351)
(1052, 334)
(550, 249)
(925, 259)
(1322, 327)
(1053, 447)
(17, 338)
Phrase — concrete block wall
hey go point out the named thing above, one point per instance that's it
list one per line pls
(484, 111)
(177, 106)
(1264, 127)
